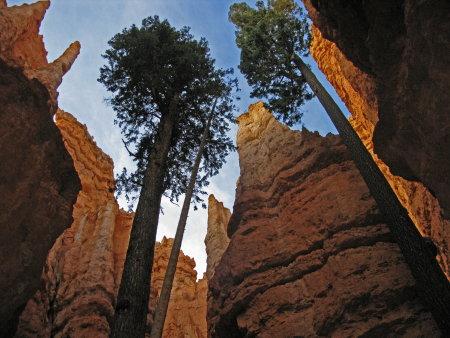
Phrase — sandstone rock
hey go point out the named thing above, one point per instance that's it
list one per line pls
(404, 115)
(309, 254)
(79, 277)
(358, 91)
(22, 46)
(186, 315)
(83, 269)
(51, 74)
(38, 181)
(216, 240)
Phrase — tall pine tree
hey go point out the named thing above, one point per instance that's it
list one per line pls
(163, 82)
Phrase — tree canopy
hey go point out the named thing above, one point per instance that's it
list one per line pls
(147, 67)
(268, 36)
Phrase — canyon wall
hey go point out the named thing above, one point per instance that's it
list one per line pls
(309, 254)
(186, 315)
(389, 61)
(216, 240)
(84, 267)
(38, 181)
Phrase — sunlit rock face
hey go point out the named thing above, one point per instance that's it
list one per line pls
(389, 62)
(38, 181)
(22, 46)
(79, 277)
(309, 252)
(186, 315)
(83, 269)
(216, 240)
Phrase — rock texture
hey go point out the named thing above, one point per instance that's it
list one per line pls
(216, 240)
(22, 46)
(38, 182)
(186, 315)
(309, 254)
(84, 267)
(389, 61)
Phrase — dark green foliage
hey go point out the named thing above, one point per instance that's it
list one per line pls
(147, 67)
(268, 36)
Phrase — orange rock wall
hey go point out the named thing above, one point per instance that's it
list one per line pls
(309, 252)
(377, 55)
(186, 315)
(357, 90)
(84, 267)
(22, 46)
(38, 180)
(216, 240)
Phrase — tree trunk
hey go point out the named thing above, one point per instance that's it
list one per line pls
(419, 254)
(130, 316)
(163, 301)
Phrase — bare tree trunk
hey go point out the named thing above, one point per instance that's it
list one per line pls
(420, 255)
(132, 301)
(163, 301)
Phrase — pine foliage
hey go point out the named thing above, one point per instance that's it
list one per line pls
(146, 67)
(268, 36)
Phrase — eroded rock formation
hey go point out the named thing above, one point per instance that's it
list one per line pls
(38, 182)
(186, 315)
(216, 240)
(84, 267)
(22, 46)
(310, 254)
(389, 62)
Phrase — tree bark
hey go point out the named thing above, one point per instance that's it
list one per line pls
(163, 301)
(130, 316)
(418, 253)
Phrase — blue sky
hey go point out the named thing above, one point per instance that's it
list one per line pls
(93, 23)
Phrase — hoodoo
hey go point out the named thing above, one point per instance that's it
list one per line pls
(309, 250)
(216, 240)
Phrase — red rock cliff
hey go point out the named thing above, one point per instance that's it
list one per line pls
(84, 267)
(216, 240)
(389, 61)
(309, 254)
(38, 182)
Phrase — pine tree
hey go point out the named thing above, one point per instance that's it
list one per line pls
(273, 38)
(162, 82)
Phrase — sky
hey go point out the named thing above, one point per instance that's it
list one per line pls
(93, 23)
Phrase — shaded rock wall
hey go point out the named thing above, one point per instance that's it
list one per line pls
(216, 240)
(389, 61)
(84, 267)
(38, 182)
(309, 252)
